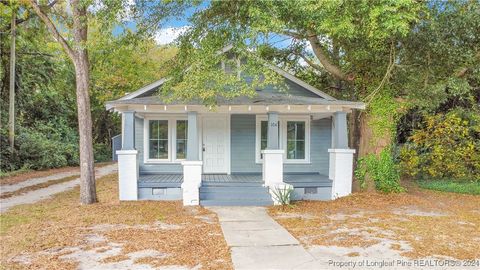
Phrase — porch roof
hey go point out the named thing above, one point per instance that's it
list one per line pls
(260, 99)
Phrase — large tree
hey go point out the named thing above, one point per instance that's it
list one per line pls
(350, 49)
(77, 51)
(381, 52)
(68, 23)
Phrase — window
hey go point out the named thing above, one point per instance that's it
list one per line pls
(295, 140)
(182, 128)
(264, 135)
(165, 139)
(158, 140)
(294, 133)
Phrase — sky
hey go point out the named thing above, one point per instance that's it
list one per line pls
(174, 27)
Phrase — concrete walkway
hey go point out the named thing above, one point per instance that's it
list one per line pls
(45, 193)
(258, 242)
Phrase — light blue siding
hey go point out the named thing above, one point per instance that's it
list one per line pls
(151, 168)
(243, 147)
(291, 89)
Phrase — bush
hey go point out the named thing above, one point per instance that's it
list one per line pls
(43, 146)
(382, 169)
(102, 152)
(447, 146)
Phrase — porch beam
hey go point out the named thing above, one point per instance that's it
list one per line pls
(192, 137)
(128, 130)
(340, 132)
(272, 131)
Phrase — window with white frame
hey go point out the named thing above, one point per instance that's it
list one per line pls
(294, 138)
(158, 139)
(165, 139)
(181, 140)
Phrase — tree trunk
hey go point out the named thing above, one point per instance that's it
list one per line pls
(369, 143)
(87, 173)
(79, 55)
(11, 107)
(88, 193)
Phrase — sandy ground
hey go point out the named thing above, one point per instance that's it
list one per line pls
(44, 193)
(423, 230)
(98, 257)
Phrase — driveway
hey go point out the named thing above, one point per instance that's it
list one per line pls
(47, 192)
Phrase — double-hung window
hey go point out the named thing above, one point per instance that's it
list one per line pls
(165, 140)
(158, 140)
(181, 140)
(294, 138)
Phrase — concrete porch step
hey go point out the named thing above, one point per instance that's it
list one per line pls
(231, 184)
(242, 202)
(235, 195)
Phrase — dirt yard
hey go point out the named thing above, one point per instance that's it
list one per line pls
(413, 225)
(60, 234)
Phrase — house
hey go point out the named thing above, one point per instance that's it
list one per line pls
(245, 151)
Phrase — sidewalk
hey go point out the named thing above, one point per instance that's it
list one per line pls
(258, 242)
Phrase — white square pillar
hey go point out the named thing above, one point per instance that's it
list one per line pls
(128, 175)
(272, 166)
(340, 171)
(192, 180)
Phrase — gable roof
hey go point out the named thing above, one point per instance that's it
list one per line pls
(147, 89)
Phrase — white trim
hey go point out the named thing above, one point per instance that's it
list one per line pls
(282, 138)
(340, 150)
(273, 151)
(126, 152)
(301, 83)
(192, 162)
(144, 89)
(172, 147)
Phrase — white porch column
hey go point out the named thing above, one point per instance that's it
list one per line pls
(127, 160)
(192, 167)
(272, 172)
(341, 157)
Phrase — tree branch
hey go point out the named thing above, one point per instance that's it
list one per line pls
(323, 58)
(292, 34)
(460, 73)
(311, 63)
(51, 27)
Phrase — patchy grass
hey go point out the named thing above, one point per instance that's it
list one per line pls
(14, 177)
(429, 223)
(61, 234)
(464, 187)
(38, 186)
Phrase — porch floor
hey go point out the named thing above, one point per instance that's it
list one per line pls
(175, 180)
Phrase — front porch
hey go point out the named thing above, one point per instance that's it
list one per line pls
(234, 189)
(234, 159)
(175, 180)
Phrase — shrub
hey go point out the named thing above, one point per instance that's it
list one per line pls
(43, 146)
(447, 146)
(102, 152)
(382, 169)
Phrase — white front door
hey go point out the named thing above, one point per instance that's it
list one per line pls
(215, 144)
